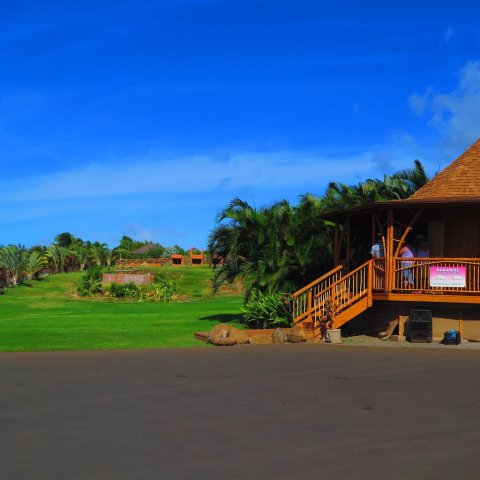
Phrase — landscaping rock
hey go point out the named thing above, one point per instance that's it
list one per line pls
(240, 336)
(279, 336)
(297, 335)
(225, 342)
(225, 335)
(261, 339)
(218, 334)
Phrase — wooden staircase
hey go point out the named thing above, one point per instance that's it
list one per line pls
(335, 297)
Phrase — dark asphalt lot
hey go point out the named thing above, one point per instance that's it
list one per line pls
(272, 412)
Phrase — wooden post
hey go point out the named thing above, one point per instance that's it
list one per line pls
(309, 305)
(336, 245)
(348, 243)
(389, 261)
(370, 283)
(373, 229)
(408, 229)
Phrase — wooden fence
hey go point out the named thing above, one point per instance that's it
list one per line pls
(123, 278)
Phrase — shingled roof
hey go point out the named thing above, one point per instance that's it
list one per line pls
(460, 180)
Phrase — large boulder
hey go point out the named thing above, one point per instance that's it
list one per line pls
(226, 335)
(297, 335)
(218, 334)
(279, 336)
(240, 336)
(225, 342)
(261, 339)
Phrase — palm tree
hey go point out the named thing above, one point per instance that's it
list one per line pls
(14, 259)
(81, 255)
(275, 248)
(35, 264)
(414, 178)
(400, 185)
(57, 256)
(100, 252)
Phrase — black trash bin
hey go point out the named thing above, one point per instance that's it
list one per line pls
(421, 326)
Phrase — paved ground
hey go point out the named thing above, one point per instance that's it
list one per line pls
(273, 412)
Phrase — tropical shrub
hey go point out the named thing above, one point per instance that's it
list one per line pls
(267, 310)
(90, 283)
(161, 290)
(14, 260)
(129, 292)
(35, 264)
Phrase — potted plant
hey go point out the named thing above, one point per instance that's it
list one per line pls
(330, 334)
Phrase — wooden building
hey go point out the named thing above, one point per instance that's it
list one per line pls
(381, 295)
(177, 259)
(197, 258)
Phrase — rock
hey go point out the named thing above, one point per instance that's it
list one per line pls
(218, 334)
(225, 335)
(261, 339)
(225, 342)
(279, 336)
(297, 335)
(240, 336)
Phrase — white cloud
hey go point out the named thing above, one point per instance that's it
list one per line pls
(193, 175)
(456, 114)
(448, 36)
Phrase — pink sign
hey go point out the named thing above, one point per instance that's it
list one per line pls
(448, 276)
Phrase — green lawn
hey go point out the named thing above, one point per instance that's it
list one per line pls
(47, 315)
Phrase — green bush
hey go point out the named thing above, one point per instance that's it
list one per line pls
(267, 310)
(161, 290)
(128, 291)
(90, 283)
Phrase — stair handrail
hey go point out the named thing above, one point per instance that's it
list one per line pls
(318, 280)
(317, 306)
(349, 274)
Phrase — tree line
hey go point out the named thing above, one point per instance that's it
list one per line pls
(283, 247)
(67, 254)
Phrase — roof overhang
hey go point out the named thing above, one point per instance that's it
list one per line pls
(402, 204)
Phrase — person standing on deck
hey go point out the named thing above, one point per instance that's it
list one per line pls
(407, 275)
(377, 248)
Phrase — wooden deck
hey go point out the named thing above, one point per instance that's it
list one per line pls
(341, 297)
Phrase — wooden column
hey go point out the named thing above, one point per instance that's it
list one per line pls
(336, 245)
(389, 262)
(348, 242)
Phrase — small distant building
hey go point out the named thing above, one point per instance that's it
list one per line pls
(144, 249)
(177, 259)
(197, 258)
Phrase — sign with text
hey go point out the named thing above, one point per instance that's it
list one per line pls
(448, 276)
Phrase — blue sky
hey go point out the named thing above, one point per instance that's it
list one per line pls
(145, 118)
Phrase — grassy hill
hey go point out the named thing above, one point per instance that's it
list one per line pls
(47, 315)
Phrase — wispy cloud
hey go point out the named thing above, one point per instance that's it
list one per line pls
(192, 175)
(448, 36)
(455, 114)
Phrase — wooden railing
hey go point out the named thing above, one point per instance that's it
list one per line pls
(413, 275)
(378, 281)
(352, 287)
(312, 302)
(306, 299)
